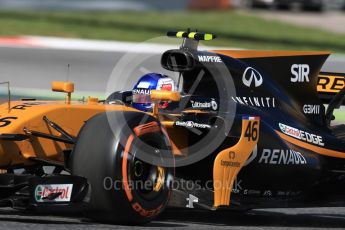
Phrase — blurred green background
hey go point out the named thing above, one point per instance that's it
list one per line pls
(249, 24)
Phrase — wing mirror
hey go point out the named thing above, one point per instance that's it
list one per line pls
(65, 87)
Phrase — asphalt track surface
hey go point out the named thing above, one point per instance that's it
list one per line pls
(307, 218)
(36, 68)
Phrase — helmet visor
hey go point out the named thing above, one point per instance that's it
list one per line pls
(141, 98)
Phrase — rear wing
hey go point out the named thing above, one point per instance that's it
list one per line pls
(329, 84)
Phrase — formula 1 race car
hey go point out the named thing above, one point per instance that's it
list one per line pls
(246, 129)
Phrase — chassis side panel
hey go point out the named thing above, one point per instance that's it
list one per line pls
(25, 117)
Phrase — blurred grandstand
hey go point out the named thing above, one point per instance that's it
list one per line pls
(315, 5)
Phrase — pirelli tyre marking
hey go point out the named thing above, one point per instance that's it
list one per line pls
(139, 131)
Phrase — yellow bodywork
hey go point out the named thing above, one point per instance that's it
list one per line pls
(25, 117)
(229, 162)
(29, 115)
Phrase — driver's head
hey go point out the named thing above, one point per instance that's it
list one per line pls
(142, 90)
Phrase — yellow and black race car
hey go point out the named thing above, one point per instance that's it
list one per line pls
(246, 129)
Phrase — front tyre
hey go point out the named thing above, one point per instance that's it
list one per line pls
(125, 187)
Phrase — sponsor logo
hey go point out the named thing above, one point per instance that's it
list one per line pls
(26, 105)
(191, 200)
(267, 193)
(166, 84)
(267, 102)
(204, 105)
(192, 124)
(252, 76)
(302, 135)
(300, 73)
(142, 91)
(251, 192)
(311, 109)
(230, 163)
(232, 156)
(332, 84)
(163, 84)
(281, 156)
(289, 193)
(214, 105)
(143, 212)
(144, 85)
(42, 192)
(204, 58)
(282, 193)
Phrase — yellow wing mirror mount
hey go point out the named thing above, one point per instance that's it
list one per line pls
(64, 87)
(162, 95)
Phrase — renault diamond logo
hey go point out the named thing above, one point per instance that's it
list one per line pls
(250, 75)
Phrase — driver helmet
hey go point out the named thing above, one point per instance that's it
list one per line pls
(142, 90)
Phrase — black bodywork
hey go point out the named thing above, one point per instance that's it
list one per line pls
(268, 180)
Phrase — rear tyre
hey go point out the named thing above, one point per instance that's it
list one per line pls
(124, 188)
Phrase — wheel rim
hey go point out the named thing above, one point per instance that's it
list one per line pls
(147, 179)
